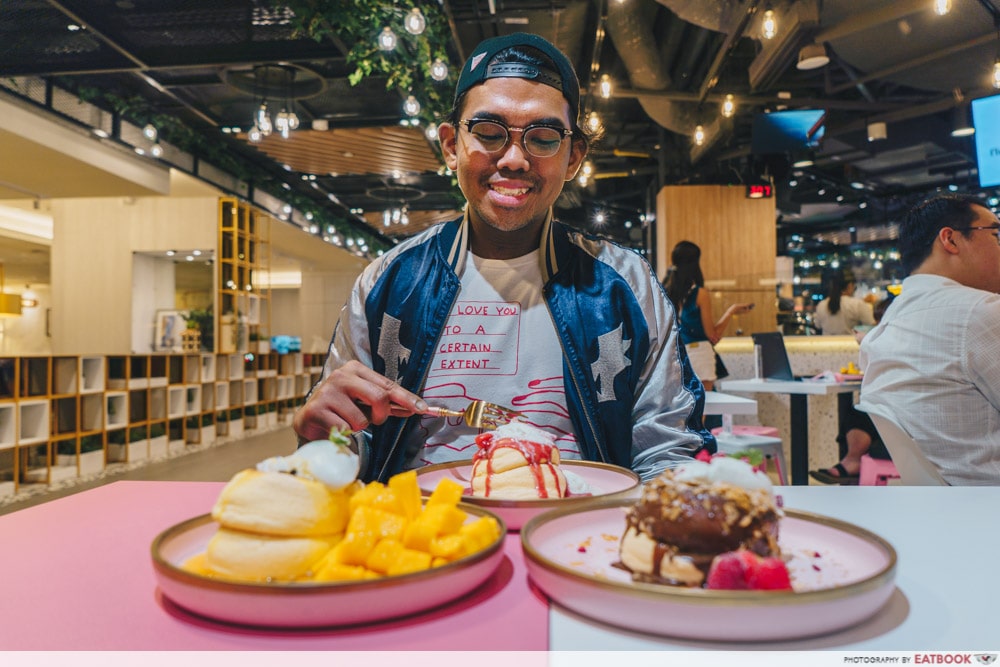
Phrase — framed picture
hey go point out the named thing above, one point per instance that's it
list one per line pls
(169, 326)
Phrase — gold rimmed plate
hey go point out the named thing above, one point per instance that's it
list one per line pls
(604, 481)
(308, 604)
(842, 574)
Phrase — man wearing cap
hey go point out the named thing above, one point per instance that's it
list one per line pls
(508, 305)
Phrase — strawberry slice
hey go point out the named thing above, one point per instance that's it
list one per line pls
(744, 570)
(770, 574)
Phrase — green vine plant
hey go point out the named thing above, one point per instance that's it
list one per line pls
(216, 151)
(406, 69)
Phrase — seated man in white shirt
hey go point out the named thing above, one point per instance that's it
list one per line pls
(933, 362)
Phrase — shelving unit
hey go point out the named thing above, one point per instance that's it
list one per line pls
(243, 300)
(65, 416)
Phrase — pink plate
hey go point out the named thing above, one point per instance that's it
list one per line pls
(301, 605)
(607, 481)
(842, 574)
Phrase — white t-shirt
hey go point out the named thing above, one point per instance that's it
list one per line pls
(852, 313)
(932, 364)
(498, 345)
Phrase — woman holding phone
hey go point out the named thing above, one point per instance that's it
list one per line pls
(699, 329)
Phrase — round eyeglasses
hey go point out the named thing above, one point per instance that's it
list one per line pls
(537, 140)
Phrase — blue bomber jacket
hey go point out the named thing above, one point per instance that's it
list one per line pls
(633, 399)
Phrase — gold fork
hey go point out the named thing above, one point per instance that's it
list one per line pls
(479, 414)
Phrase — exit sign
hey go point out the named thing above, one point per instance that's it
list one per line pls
(760, 191)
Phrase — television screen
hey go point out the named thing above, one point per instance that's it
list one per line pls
(986, 120)
(787, 131)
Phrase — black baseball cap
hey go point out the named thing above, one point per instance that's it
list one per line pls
(477, 68)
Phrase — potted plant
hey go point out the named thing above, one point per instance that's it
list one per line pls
(157, 440)
(138, 443)
(116, 445)
(203, 322)
(208, 429)
(222, 423)
(66, 453)
(91, 454)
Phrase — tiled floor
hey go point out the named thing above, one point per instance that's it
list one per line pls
(217, 463)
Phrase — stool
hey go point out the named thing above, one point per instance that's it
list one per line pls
(876, 472)
(771, 448)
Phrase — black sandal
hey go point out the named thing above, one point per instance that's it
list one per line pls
(827, 476)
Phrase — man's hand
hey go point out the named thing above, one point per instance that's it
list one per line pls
(352, 397)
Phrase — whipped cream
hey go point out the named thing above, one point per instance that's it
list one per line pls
(322, 461)
(519, 430)
(723, 469)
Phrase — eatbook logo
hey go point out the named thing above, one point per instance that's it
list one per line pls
(985, 658)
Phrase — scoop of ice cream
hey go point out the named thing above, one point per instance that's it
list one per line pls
(723, 469)
(517, 462)
(576, 485)
(684, 518)
(332, 464)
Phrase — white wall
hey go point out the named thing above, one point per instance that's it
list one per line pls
(25, 335)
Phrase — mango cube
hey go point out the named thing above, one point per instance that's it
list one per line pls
(341, 572)
(479, 534)
(355, 547)
(407, 491)
(410, 560)
(380, 496)
(447, 492)
(384, 556)
(418, 534)
(368, 519)
(447, 547)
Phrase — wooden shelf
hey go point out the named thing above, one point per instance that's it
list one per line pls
(65, 416)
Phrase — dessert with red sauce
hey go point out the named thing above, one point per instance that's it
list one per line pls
(517, 461)
(687, 517)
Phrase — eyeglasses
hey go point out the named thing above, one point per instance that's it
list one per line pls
(992, 228)
(537, 140)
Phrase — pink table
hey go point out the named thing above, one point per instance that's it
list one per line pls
(77, 576)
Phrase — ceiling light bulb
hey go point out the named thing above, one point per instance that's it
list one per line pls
(996, 73)
(293, 120)
(281, 121)
(588, 168)
(149, 132)
(439, 70)
(769, 25)
(411, 106)
(605, 86)
(431, 132)
(593, 121)
(387, 39)
(699, 135)
(942, 7)
(255, 135)
(414, 22)
(729, 106)
(156, 150)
